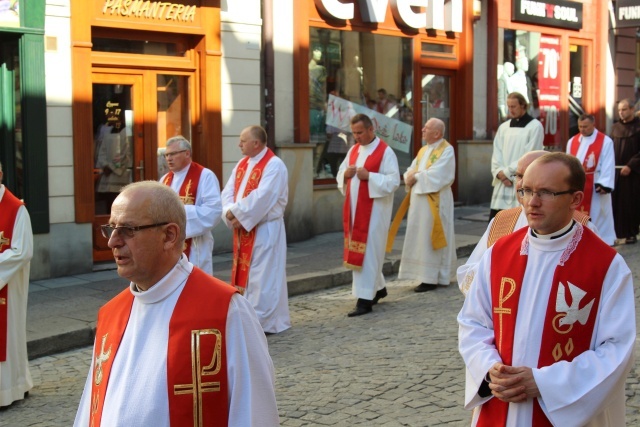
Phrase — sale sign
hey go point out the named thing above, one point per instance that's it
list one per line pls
(549, 88)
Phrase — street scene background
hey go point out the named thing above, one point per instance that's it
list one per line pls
(398, 366)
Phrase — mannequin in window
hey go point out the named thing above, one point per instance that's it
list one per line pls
(520, 81)
(349, 80)
(317, 107)
(504, 89)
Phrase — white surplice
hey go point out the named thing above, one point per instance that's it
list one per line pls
(588, 391)
(15, 378)
(202, 216)
(137, 390)
(466, 272)
(419, 260)
(264, 208)
(601, 211)
(509, 145)
(381, 186)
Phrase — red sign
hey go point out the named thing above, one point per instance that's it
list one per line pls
(549, 88)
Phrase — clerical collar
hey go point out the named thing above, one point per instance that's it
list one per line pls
(564, 230)
(521, 122)
(173, 280)
(435, 144)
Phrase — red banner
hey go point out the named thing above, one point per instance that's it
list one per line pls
(549, 88)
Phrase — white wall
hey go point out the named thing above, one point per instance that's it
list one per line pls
(241, 35)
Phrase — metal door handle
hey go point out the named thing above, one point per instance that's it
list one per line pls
(141, 169)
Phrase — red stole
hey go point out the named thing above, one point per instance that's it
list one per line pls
(9, 206)
(188, 192)
(243, 240)
(196, 353)
(560, 342)
(589, 164)
(355, 240)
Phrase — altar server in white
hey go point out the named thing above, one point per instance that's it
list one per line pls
(253, 204)
(199, 190)
(595, 150)
(519, 135)
(429, 252)
(547, 331)
(16, 250)
(178, 347)
(367, 177)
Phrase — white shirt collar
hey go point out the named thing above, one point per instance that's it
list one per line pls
(177, 276)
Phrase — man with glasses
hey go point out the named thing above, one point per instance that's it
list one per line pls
(16, 250)
(254, 200)
(547, 331)
(178, 347)
(595, 150)
(505, 223)
(199, 190)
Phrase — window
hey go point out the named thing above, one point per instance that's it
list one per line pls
(351, 73)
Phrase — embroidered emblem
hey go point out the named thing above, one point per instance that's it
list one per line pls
(188, 199)
(4, 241)
(573, 313)
(102, 357)
(500, 310)
(198, 386)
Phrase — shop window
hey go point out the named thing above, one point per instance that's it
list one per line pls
(529, 63)
(143, 47)
(577, 61)
(350, 73)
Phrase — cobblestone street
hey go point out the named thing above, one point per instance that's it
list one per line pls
(398, 366)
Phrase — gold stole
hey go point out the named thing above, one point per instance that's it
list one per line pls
(9, 206)
(438, 238)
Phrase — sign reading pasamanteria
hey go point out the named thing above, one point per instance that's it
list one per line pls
(185, 12)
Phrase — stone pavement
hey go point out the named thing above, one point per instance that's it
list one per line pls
(62, 311)
(398, 366)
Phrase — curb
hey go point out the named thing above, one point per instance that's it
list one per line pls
(299, 284)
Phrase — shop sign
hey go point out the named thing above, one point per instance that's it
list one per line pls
(394, 132)
(153, 10)
(438, 15)
(549, 88)
(551, 13)
(627, 13)
(9, 13)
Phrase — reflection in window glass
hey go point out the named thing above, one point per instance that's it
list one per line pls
(173, 113)
(529, 63)
(350, 73)
(576, 80)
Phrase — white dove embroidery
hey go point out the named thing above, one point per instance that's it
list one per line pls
(573, 313)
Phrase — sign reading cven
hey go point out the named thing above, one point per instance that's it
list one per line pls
(552, 13)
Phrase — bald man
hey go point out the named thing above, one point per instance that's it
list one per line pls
(504, 223)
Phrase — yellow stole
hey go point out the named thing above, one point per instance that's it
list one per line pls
(438, 238)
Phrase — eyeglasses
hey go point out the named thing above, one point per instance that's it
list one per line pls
(125, 231)
(169, 155)
(544, 195)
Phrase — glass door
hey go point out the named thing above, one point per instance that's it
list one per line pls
(436, 100)
(118, 146)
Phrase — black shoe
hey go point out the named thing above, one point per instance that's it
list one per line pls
(363, 306)
(379, 295)
(631, 240)
(424, 287)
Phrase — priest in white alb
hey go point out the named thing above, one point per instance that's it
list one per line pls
(367, 178)
(178, 347)
(429, 252)
(16, 250)
(253, 204)
(595, 150)
(199, 190)
(547, 331)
